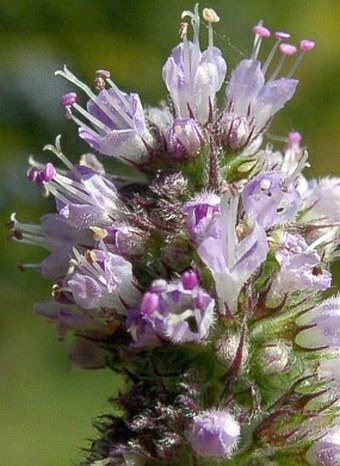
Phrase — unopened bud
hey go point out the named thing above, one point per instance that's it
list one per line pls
(226, 348)
(274, 358)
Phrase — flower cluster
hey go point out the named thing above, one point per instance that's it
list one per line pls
(200, 281)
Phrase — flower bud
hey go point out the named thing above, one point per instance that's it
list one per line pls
(226, 348)
(273, 358)
(184, 138)
(326, 451)
(235, 131)
(214, 434)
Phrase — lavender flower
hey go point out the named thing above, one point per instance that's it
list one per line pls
(178, 311)
(322, 326)
(117, 120)
(235, 255)
(300, 267)
(326, 451)
(193, 77)
(200, 281)
(214, 434)
(251, 100)
(271, 199)
(322, 201)
(101, 279)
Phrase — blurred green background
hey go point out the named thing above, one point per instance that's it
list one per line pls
(46, 409)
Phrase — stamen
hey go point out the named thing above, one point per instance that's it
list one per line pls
(22, 267)
(210, 16)
(260, 33)
(280, 37)
(149, 303)
(287, 50)
(301, 165)
(100, 79)
(90, 256)
(32, 174)
(305, 46)
(189, 280)
(49, 172)
(92, 119)
(183, 30)
(98, 234)
(56, 150)
(294, 137)
(195, 23)
(199, 301)
(73, 79)
(67, 100)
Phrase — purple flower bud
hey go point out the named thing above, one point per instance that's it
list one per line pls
(184, 138)
(323, 326)
(200, 212)
(235, 130)
(326, 451)
(214, 434)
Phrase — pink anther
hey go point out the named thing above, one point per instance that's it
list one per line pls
(307, 45)
(288, 49)
(261, 31)
(279, 35)
(67, 100)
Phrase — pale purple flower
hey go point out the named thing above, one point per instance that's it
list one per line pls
(184, 139)
(113, 123)
(322, 201)
(326, 450)
(179, 311)
(200, 211)
(70, 317)
(233, 260)
(251, 97)
(214, 434)
(329, 368)
(56, 234)
(100, 278)
(299, 267)
(253, 100)
(83, 195)
(193, 77)
(322, 325)
(271, 198)
(141, 330)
